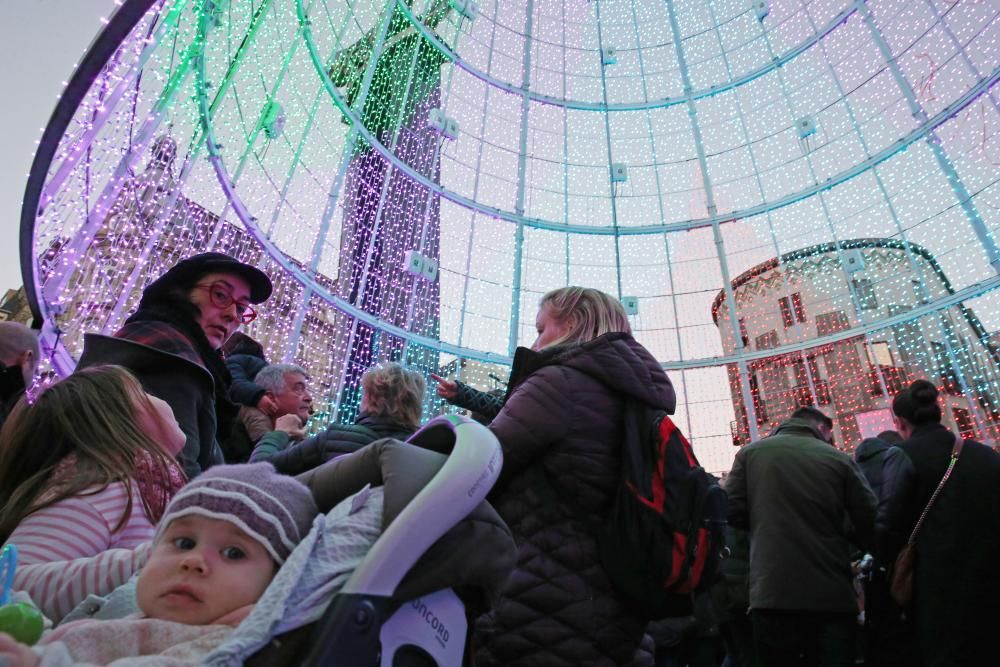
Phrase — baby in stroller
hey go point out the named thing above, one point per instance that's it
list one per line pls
(219, 544)
(407, 553)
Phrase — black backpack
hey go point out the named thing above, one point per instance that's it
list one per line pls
(664, 536)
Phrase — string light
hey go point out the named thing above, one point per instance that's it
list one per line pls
(368, 130)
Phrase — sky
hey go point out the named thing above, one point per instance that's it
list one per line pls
(46, 38)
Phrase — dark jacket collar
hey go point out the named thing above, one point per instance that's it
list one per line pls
(799, 427)
(382, 425)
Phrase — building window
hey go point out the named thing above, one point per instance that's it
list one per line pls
(800, 381)
(792, 309)
(880, 354)
(743, 332)
(758, 403)
(798, 308)
(767, 341)
(945, 369)
(829, 323)
(964, 423)
(866, 293)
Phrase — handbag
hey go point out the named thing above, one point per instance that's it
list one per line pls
(901, 577)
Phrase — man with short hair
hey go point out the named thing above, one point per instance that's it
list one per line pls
(19, 356)
(287, 386)
(805, 503)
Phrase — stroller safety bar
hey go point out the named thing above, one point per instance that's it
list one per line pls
(472, 468)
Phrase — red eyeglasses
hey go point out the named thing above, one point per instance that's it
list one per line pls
(221, 297)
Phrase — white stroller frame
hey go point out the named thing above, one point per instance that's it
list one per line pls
(359, 625)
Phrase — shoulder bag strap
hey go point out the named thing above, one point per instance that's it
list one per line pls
(956, 451)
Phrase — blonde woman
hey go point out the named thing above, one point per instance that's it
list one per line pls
(85, 473)
(391, 406)
(560, 429)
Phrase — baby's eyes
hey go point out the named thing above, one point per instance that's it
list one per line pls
(229, 553)
(183, 543)
(233, 553)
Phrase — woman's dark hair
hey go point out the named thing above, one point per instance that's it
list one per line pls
(918, 403)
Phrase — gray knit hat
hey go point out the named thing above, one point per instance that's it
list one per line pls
(276, 510)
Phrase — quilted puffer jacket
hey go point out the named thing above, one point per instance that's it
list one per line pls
(560, 433)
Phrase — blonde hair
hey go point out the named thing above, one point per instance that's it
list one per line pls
(590, 312)
(78, 437)
(394, 392)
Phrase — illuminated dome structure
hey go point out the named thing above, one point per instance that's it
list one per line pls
(415, 174)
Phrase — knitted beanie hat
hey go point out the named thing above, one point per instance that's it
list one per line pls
(275, 510)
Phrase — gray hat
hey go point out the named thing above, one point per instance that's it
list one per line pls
(275, 510)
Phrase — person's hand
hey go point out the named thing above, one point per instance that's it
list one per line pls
(267, 405)
(447, 389)
(15, 654)
(290, 424)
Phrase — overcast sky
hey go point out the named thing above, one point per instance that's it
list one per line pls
(43, 39)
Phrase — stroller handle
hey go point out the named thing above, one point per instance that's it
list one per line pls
(471, 469)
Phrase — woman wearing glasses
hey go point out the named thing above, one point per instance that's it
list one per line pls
(171, 343)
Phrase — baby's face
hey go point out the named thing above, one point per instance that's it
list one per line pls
(202, 569)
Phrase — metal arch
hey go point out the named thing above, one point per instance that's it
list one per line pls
(119, 26)
(537, 223)
(579, 105)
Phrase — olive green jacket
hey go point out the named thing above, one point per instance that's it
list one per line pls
(805, 503)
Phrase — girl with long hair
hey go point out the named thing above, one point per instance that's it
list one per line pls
(85, 471)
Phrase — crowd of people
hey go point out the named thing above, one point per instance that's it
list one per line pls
(168, 461)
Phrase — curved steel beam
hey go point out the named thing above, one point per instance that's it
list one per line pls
(537, 223)
(581, 105)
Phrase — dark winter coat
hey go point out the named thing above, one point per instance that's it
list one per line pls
(244, 368)
(956, 587)
(560, 430)
(168, 367)
(870, 455)
(799, 497)
(11, 390)
(336, 440)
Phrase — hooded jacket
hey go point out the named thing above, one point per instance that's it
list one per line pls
(560, 430)
(870, 455)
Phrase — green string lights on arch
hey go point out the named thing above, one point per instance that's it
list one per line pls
(798, 207)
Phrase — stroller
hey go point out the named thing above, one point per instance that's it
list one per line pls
(442, 556)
